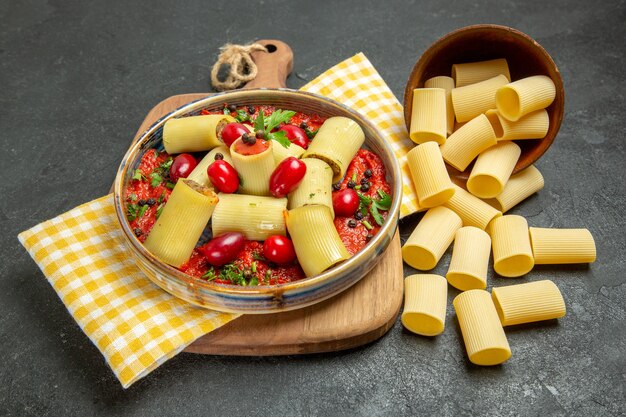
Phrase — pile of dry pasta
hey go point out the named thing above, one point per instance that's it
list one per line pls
(475, 115)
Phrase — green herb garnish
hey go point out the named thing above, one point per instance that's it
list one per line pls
(131, 211)
(278, 117)
(267, 124)
(142, 210)
(374, 205)
(242, 116)
(170, 185)
(159, 210)
(367, 225)
(138, 175)
(254, 281)
(310, 133)
(226, 111)
(258, 257)
(133, 197)
(311, 195)
(253, 266)
(210, 275)
(156, 179)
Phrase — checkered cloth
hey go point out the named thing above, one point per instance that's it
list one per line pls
(135, 324)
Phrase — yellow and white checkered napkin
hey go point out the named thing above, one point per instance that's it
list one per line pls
(135, 324)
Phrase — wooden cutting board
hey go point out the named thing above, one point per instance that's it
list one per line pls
(357, 316)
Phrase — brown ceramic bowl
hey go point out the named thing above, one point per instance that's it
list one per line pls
(482, 42)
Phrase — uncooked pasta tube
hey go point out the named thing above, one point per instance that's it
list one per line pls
(472, 210)
(194, 133)
(180, 225)
(315, 187)
(466, 143)
(492, 169)
(519, 187)
(470, 259)
(256, 217)
(474, 99)
(483, 335)
(532, 126)
(199, 173)
(431, 238)
(336, 143)
(315, 239)
(425, 299)
(475, 72)
(562, 246)
(430, 177)
(447, 84)
(512, 254)
(519, 98)
(529, 302)
(428, 115)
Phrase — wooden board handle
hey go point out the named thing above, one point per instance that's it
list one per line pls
(273, 66)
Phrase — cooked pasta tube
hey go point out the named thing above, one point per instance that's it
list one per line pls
(492, 169)
(281, 153)
(430, 177)
(447, 84)
(425, 300)
(483, 335)
(472, 210)
(256, 217)
(532, 126)
(529, 302)
(316, 186)
(512, 254)
(475, 72)
(474, 99)
(199, 173)
(428, 115)
(254, 170)
(336, 142)
(519, 98)
(466, 143)
(519, 187)
(562, 246)
(430, 239)
(194, 133)
(470, 259)
(317, 243)
(181, 223)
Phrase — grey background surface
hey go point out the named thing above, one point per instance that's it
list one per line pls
(76, 80)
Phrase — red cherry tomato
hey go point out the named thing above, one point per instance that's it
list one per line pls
(232, 132)
(287, 176)
(296, 135)
(223, 249)
(182, 166)
(279, 249)
(223, 176)
(345, 202)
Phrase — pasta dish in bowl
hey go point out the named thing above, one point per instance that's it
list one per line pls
(258, 201)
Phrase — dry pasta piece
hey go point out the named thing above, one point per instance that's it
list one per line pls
(474, 99)
(492, 169)
(532, 126)
(430, 177)
(470, 259)
(281, 153)
(181, 223)
(431, 238)
(316, 186)
(194, 133)
(562, 246)
(199, 173)
(428, 116)
(512, 254)
(472, 210)
(256, 217)
(254, 170)
(483, 335)
(529, 302)
(425, 300)
(336, 142)
(519, 98)
(519, 187)
(447, 84)
(475, 72)
(317, 243)
(466, 143)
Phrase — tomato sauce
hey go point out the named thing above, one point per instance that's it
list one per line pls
(150, 188)
(259, 146)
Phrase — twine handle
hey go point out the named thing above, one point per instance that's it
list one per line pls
(242, 67)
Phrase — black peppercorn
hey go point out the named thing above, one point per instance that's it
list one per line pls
(232, 108)
(368, 237)
(246, 138)
(151, 202)
(358, 215)
(260, 134)
(364, 181)
(251, 109)
(368, 173)
(218, 156)
(337, 186)
(351, 184)
(137, 231)
(365, 187)
(141, 202)
(247, 274)
(303, 125)
(351, 223)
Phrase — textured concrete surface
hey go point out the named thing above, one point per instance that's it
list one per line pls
(77, 78)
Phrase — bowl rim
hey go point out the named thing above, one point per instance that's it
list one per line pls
(558, 81)
(235, 290)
